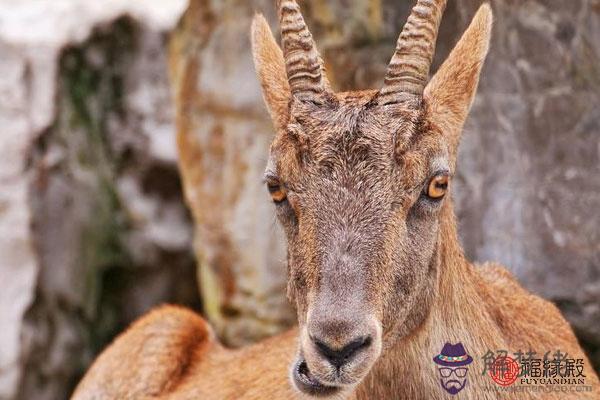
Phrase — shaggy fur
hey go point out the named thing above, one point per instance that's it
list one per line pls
(370, 256)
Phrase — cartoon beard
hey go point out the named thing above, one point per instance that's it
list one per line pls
(453, 386)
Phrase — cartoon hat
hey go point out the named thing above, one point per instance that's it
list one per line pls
(453, 355)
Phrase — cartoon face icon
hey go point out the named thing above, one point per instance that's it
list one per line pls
(452, 362)
(453, 379)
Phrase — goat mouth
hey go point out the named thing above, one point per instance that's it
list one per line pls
(308, 384)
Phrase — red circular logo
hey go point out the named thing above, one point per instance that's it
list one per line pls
(504, 371)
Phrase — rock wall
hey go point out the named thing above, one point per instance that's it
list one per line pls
(223, 136)
(526, 193)
(93, 229)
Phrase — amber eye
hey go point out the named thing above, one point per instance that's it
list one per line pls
(277, 191)
(437, 187)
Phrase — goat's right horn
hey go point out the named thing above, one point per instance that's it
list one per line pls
(303, 63)
(408, 70)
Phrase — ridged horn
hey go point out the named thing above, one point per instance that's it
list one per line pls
(303, 63)
(408, 70)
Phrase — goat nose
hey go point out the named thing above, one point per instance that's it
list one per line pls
(338, 357)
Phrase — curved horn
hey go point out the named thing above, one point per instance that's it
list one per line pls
(408, 70)
(303, 63)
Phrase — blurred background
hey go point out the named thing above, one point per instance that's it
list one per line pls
(133, 139)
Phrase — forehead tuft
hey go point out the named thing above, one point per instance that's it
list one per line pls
(353, 137)
(346, 134)
(356, 124)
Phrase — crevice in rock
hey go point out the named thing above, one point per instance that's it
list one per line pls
(111, 241)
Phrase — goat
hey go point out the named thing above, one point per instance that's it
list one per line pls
(361, 185)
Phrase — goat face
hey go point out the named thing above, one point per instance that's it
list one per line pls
(361, 219)
(359, 182)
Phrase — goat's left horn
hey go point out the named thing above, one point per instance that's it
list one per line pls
(303, 63)
(408, 70)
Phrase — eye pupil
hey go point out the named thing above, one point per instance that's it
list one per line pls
(277, 191)
(437, 186)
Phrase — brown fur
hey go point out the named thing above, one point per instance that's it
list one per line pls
(369, 256)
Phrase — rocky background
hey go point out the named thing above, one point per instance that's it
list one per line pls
(101, 103)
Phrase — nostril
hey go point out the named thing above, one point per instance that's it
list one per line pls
(339, 357)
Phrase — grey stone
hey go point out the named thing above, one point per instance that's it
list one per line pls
(93, 230)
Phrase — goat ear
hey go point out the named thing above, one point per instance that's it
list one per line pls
(270, 67)
(450, 92)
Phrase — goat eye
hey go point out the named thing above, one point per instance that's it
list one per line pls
(437, 187)
(277, 191)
